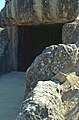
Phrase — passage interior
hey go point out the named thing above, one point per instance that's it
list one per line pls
(33, 39)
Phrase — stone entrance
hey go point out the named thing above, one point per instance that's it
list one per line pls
(33, 39)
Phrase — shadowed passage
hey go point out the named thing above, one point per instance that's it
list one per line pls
(34, 39)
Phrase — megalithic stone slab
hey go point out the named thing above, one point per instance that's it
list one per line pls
(29, 12)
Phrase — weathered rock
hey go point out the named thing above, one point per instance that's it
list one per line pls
(5, 61)
(39, 11)
(70, 96)
(64, 58)
(43, 103)
(76, 68)
(8, 49)
(51, 101)
(70, 33)
(61, 77)
(54, 59)
(72, 78)
(45, 98)
(71, 104)
(3, 41)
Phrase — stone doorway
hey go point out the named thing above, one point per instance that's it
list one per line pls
(34, 39)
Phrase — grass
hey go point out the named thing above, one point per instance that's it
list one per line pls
(1, 29)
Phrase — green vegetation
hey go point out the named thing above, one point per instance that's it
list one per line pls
(1, 29)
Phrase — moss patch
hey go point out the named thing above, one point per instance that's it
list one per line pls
(1, 29)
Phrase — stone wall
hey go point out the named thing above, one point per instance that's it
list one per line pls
(56, 95)
(8, 49)
(33, 12)
(5, 64)
(13, 36)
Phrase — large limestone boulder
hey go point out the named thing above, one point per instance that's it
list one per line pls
(43, 103)
(54, 59)
(52, 98)
(51, 101)
(28, 12)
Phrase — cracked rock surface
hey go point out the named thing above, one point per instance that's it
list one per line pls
(43, 103)
(54, 59)
(46, 96)
(29, 12)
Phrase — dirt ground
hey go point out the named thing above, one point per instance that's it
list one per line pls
(12, 86)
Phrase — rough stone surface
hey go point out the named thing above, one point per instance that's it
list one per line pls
(51, 101)
(9, 49)
(70, 34)
(13, 46)
(3, 41)
(43, 103)
(72, 78)
(71, 104)
(70, 99)
(5, 63)
(52, 91)
(38, 12)
(40, 101)
(52, 94)
(54, 59)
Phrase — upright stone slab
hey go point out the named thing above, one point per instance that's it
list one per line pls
(5, 56)
(70, 33)
(8, 49)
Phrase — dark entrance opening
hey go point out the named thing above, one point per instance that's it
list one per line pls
(34, 39)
